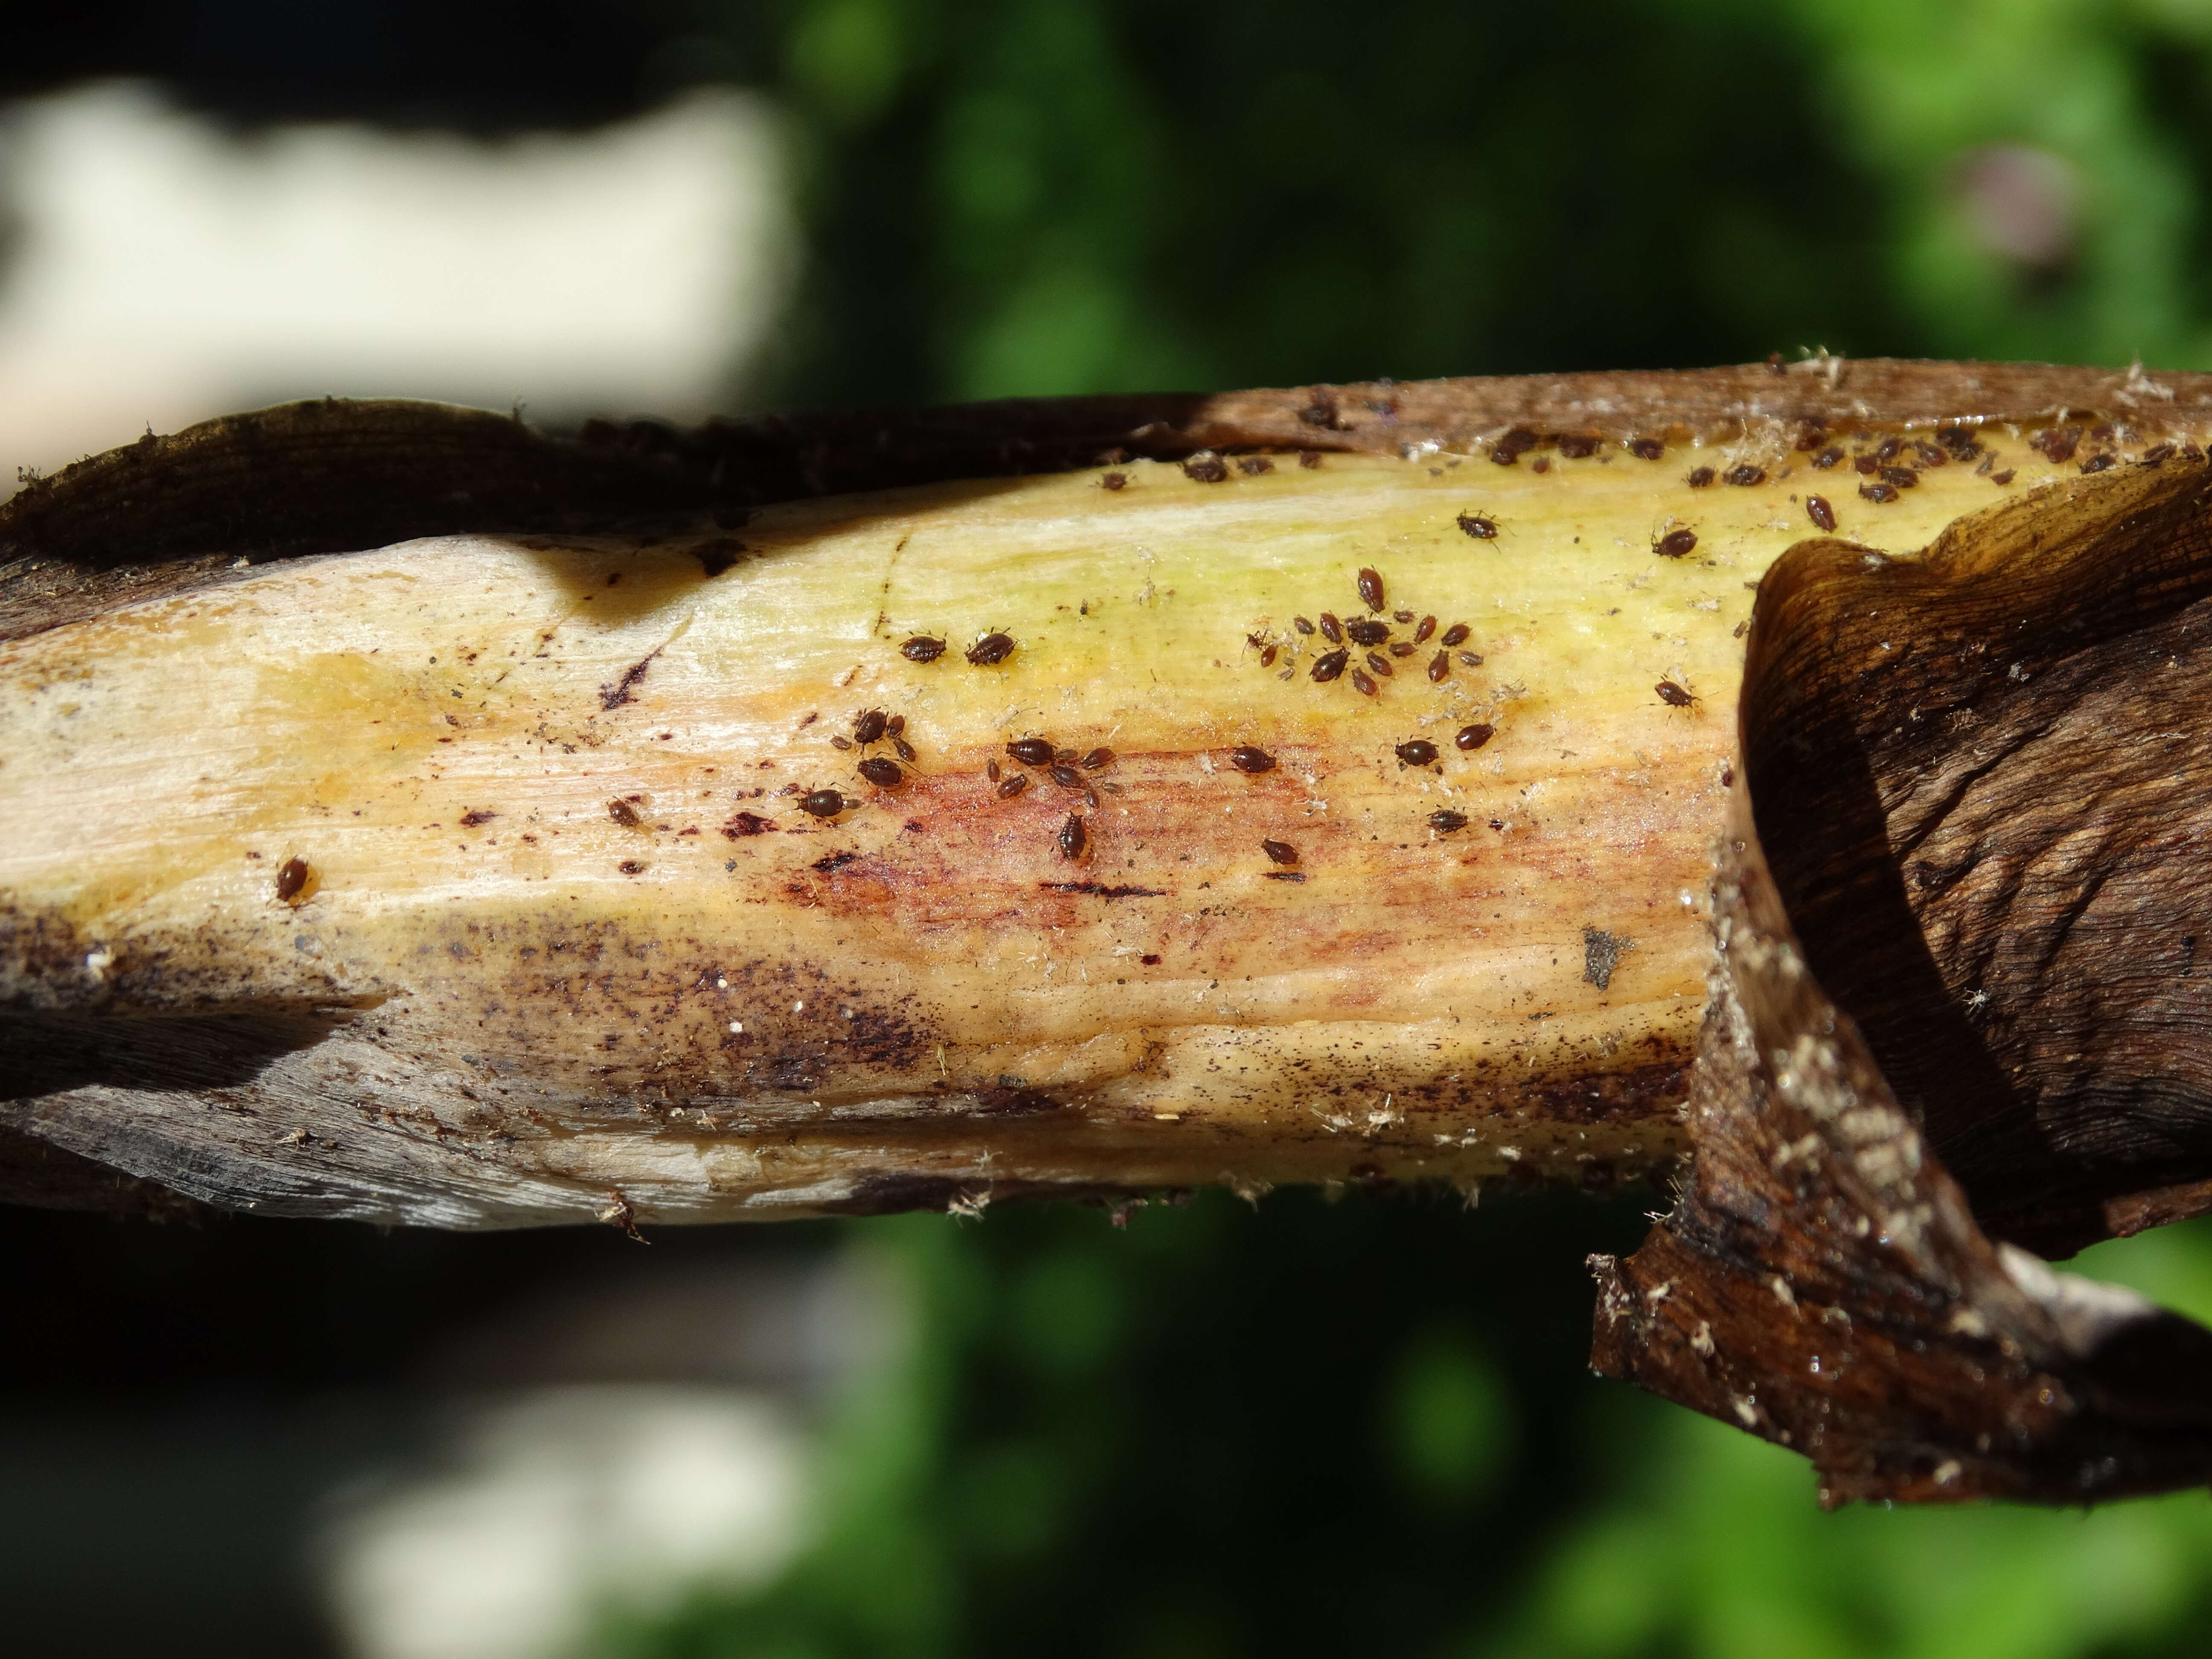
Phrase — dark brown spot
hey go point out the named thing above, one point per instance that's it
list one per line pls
(624, 813)
(1421, 634)
(1745, 475)
(1149, 960)
(870, 725)
(717, 555)
(1827, 457)
(475, 816)
(1601, 954)
(1279, 852)
(1699, 478)
(292, 877)
(1284, 875)
(835, 862)
(1031, 751)
(1879, 493)
(822, 803)
(922, 648)
(1439, 667)
(1206, 467)
(1672, 695)
(631, 867)
(2058, 443)
(1817, 510)
(1096, 759)
(1370, 588)
(1253, 465)
(1013, 786)
(1380, 664)
(1476, 526)
(1365, 686)
(1646, 449)
(1418, 751)
(883, 774)
(1331, 629)
(1114, 480)
(1445, 820)
(614, 697)
(1331, 664)
(1251, 758)
(1456, 635)
(1367, 633)
(747, 824)
(1471, 738)
(1073, 837)
(1675, 543)
(991, 650)
(1099, 889)
(1302, 624)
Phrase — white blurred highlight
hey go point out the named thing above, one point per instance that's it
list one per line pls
(165, 271)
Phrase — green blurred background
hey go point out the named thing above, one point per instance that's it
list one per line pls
(1363, 1422)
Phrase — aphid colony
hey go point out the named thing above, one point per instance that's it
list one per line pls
(1370, 636)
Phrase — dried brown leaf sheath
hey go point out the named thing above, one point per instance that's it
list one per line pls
(515, 878)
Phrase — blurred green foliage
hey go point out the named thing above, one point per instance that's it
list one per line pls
(1368, 1426)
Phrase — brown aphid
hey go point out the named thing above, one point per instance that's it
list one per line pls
(1445, 820)
(1251, 758)
(991, 650)
(1468, 738)
(1744, 475)
(1576, 446)
(1439, 667)
(1476, 524)
(1866, 464)
(1381, 665)
(1456, 635)
(1309, 458)
(624, 813)
(1065, 757)
(1428, 626)
(922, 648)
(2059, 444)
(1279, 852)
(1331, 629)
(883, 773)
(1013, 786)
(1888, 449)
(292, 878)
(1699, 478)
(1073, 837)
(822, 803)
(1302, 624)
(1365, 686)
(1472, 659)
(1903, 476)
(903, 749)
(841, 743)
(1267, 657)
(1675, 543)
(1879, 494)
(1370, 588)
(747, 824)
(1646, 449)
(895, 725)
(1367, 633)
(1402, 616)
(631, 867)
(2003, 477)
(1418, 751)
(991, 771)
(2097, 463)
(1817, 510)
(1068, 778)
(1031, 751)
(2158, 455)
(1403, 648)
(870, 725)
(1253, 465)
(1206, 467)
(1114, 480)
(1330, 665)
(1096, 760)
(1673, 695)
(1828, 458)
